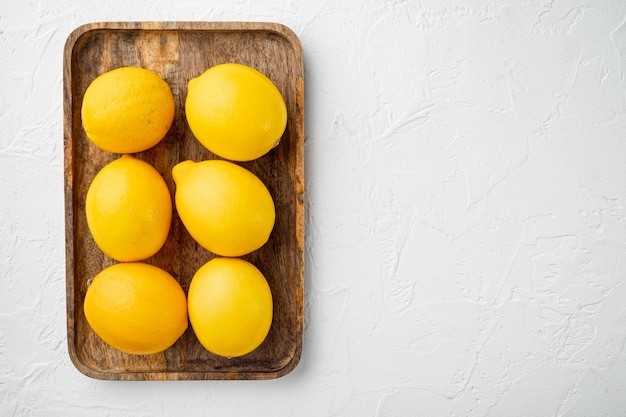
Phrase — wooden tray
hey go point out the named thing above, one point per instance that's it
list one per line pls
(179, 51)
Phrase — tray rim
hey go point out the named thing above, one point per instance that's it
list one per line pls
(176, 26)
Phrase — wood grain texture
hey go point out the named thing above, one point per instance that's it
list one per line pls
(179, 51)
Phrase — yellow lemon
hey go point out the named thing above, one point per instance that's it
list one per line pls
(235, 111)
(129, 209)
(127, 110)
(230, 306)
(226, 208)
(136, 308)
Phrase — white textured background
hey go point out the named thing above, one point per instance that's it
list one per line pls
(466, 219)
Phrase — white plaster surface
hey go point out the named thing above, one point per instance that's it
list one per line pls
(466, 212)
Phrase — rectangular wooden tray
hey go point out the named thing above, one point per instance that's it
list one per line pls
(179, 51)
